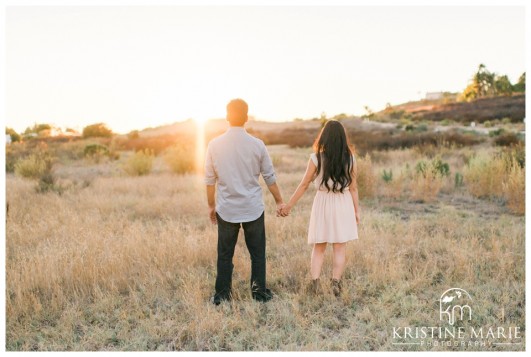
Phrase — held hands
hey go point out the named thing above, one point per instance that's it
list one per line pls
(283, 210)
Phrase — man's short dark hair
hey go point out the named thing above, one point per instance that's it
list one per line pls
(237, 112)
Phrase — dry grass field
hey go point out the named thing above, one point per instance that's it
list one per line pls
(116, 262)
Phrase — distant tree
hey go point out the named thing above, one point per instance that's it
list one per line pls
(70, 130)
(37, 128)
(484, 81)
(134, 134)
(503, 86)
(14, 135)
(323, 119)
(369, 114)
(97, 130)
(470, 92)
(341, 116)
(520, 85)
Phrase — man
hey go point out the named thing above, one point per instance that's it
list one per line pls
(235, 160)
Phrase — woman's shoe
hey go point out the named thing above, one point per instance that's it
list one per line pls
(314, 287)
(336, 287)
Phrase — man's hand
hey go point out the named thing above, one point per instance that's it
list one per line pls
(285, 210)
(212, 215)
(280, 206)
(211, 192)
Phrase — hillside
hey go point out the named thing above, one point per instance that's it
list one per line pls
(479, 110)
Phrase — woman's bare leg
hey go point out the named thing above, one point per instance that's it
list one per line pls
(339, 260)
(317, 259)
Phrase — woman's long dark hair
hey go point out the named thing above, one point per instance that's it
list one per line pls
(334, 156)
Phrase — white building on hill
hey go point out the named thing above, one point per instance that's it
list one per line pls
(434, 95)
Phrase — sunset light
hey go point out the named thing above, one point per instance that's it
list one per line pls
(200, 144)
(141, 66)
(289, 178)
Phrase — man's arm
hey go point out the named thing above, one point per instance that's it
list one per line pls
(210, 181)
(268, 173)
(211, 192)
(275, 191)
(303, 186)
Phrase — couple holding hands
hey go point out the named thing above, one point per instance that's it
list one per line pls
(234, 162)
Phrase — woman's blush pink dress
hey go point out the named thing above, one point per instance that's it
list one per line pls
(332, 219)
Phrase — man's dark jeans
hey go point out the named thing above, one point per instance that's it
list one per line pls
(255, 240)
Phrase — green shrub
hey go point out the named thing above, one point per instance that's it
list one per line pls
(405, 121)
(397, 114)
(34, 166)
(421, 128)
(506, 121)
(387, 176)
(496, 132)
(97, 130)
(441, 167)
(180, 159)
(507, 139)
(458, 180)
(95, 152)
(95, 149)
(47, 182)
(15, 137)
(487, 124)
(436, 166)
(140, 163)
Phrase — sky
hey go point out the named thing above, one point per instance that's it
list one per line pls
(133, 67)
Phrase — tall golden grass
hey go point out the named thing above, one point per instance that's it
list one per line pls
(179, 158)
(426, 187)
(514, 187)
(140, 163)
(498, 176)
(366, 177)
(128, 263)
(485, 175)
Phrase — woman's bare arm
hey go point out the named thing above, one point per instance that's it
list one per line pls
(353, 188)
(303, 186)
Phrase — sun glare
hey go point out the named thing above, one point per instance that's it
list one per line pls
(200, 144)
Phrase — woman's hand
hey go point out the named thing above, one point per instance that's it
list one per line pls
(285, 210)
(357, 218)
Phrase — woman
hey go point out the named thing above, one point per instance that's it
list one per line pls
(335, 210)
